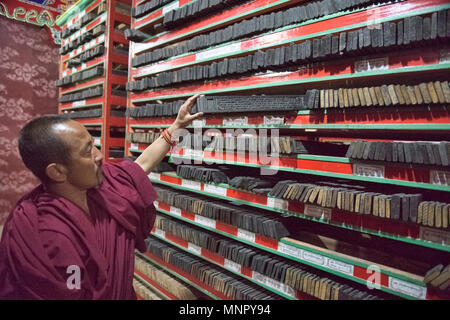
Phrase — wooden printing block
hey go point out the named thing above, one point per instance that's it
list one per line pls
(420, 213)
(341, 97)
(389, 146)
(295, 192)
(446, 91)
(446, 283)
(405, 94)
(362, 202)
(394, 151)
(336, 98)
(312, 285)
(439, 92)
(350, 150)
(388, 207)
(314, 194)
(373, 95)
(330, 98)
(408, 152)
(395, 205)
(365, 155)
(351, 103)
(379, 151)
(305, 193)
(327, 284)
(287, 191)
(436, 153)
(358, 202)
(334, 44)
(422, 149)
(386, 96)
(306, 282)
(442, 278)
(372, 151)
(433, 273)
(430, 153)
(317, 285)
(392, 94)
(322, 288)
(382, 206)
(445, 215)
(414, 200)
(425, 213)
(361, 96)
(368, 203)
(418, 21)
(406, 30)
(426, 95)
(379, 96)
(321, 195)
(360, 39)
(400, 33)
(346, 206)
(399, 93)
(308, 193)
(432, 92)
(418, 94)
(376, 201)
(334, 294)
(354, 93)
(448, 23)
(438, 215)
(322, 98)
(352, 200)
(360, 149)
(327, 101)
(345, 94)
(367, 97)
(405, 208)
(426, 28)
(416, 154)
(340, 199)
(334, 193)
(411, 94)
(441, 24)
(431, 213)
(444, 150)
(342, 42)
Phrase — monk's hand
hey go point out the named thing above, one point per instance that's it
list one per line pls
(185, 117)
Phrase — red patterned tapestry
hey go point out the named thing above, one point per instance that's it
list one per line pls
(28, 68)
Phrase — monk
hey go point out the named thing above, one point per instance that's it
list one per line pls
(74, 236)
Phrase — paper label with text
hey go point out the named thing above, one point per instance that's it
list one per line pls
(277, 203)
(235, 121)
(154, 176)
(339, 266)
(134, 146)
(440, 177)
(364, 170)
(407, 288)
(194, 248)
(272, 120)
(372, 65)
(191, 184)
(246, 235)
(232, 266)
(176, 211)
(259, 277)
(434, 235)
(205, 221)
(97, 141)
(199, 123)
(160, 232)
(79, 103)
(444, 56)
(314, 258)
(317, 212)
(193, 153)
(215, 190)
(290, 250)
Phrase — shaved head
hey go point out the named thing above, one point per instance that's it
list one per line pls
(40, 144)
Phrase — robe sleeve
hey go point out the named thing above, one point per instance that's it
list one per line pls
(129, 181)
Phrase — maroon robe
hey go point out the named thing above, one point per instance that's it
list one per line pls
(46, 234)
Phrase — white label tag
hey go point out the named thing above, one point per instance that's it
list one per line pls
(83, 65)
(235, 121)
(372, 65)
(339, 266)
(444, 56)
(170, 7)
(232, 266)
(440, 177)
(246, 235)
(156, 204)
(97, 141)
(274, 284)
(272, 120)
(134, 146)
(193, 153)
(175, 211)
(317, 212)
(410, 289)
(215, 190)
(364, 170)
(195, 249)
(290, 250)
(218, 51)
(434, 235)
(205, 221)
(154, 176)
(160, 233)
(191, 184)
(259, 277)
(79, 103)
(277, 203)
(314, 258)
(288, 290)
(198, 123)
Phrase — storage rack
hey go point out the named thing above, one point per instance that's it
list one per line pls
(402, 65)
(92, 39)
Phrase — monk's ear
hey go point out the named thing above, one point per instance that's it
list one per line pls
(56, 172)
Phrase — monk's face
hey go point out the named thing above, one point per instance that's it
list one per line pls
(84, 168)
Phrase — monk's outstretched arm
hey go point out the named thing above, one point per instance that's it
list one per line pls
(155, 152)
